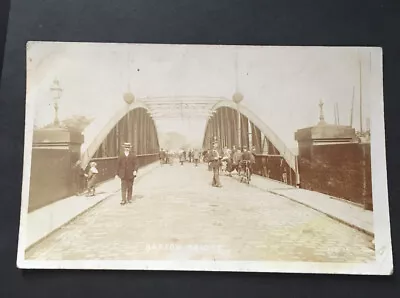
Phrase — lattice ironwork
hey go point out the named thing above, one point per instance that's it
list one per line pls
(180, 106)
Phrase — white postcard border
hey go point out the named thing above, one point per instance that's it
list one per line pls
(384, 259)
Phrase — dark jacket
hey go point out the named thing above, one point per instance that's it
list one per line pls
(215, 159)
(247, 156)
(126, 166)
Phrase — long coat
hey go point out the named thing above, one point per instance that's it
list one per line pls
(126, 166)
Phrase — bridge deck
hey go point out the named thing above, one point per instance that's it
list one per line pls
(178, 215)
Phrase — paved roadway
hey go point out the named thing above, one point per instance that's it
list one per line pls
(178, 215)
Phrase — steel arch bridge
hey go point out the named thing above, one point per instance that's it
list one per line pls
(136, 123)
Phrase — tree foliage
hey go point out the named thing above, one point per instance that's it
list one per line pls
(76, 122)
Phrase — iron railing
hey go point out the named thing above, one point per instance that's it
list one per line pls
(273, 166)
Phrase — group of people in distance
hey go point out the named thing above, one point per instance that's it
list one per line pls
(166, 156)
(229, 160)
(191, 155)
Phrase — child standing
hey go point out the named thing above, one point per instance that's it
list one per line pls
(91, 179)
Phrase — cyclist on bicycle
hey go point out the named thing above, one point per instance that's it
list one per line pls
(247, 159)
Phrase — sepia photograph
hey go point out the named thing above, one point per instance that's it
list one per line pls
(204, 158)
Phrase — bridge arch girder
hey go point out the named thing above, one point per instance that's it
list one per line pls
(98, 131)
(284, 151)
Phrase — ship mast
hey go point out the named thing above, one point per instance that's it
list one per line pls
(352, 109)
(337, 114)
(361, 104)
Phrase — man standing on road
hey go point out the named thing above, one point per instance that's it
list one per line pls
(127, 169)
(215, 165)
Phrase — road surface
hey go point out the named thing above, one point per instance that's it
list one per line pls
(177, 215)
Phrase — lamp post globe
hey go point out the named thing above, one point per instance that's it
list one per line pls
(129, 98)
(237, 97)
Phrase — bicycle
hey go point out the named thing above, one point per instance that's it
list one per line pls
(245, 172)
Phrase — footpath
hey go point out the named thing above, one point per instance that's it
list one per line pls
(338, 209)
(44, 221)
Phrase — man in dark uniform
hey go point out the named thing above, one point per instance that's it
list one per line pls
(127, 170)
(215, 164)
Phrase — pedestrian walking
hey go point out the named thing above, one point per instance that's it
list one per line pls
(253, 159)
(182, 157)
(127, 171)
(190, 155)
(168, 157)
(162, 156)
(215, 165)
(265, 171)
(283, 171)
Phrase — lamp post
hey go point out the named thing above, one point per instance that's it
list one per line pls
(129, 98)
(237, 98)
(57, 91)
(321, 113)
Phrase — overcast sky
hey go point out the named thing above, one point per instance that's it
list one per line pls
(282, 85)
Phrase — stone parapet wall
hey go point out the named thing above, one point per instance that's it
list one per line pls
(339, 170)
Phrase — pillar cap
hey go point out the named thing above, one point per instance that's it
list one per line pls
(57, 135)
(323, 132)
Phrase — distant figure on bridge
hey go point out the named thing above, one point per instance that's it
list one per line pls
(283, 171)
(233, 151)
(91, 179)
(215, 164)
(162, 156)
(247, 156)
(236, 158)
(190, 154)
(253, 159)
(168, 157)
(182, 156)
(264, 165)
(196, 156)
(127, 170)
(226, 156)
(204, 155)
